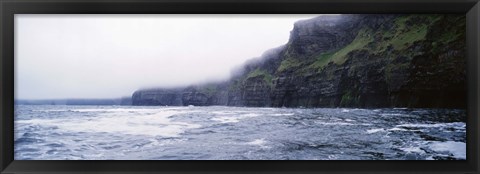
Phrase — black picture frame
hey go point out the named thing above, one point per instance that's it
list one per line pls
(11, 7)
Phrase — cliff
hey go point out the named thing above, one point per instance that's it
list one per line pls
(345, 61)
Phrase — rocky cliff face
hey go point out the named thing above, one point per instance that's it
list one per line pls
(346, 61)
(158, 97)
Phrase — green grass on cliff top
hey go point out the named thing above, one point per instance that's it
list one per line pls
(364, 37)
(407, 35)
(321, 61)
(339, 57)
(258, 72)
(403, 33)
(288, 63)
(399, 37)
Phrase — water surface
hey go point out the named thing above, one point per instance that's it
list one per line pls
(48, 132)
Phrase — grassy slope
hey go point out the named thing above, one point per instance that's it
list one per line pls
(403, 34)
(258, 72)
(406, 31)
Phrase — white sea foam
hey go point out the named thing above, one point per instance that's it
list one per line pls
(269, 109)
(397, 129)
(349, 120)
(413, 150)
(157, 124)
(458, 125)
(343, 123)
(282, 114)
(222, 113)
(234, 118)
(258, 142)
(226, 119)
(229, 112)
(371, 131)
(388, 114)
(457, 149)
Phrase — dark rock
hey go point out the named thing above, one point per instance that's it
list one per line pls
(157, 97)
(403, 69)
(194, 98)
(256, 92)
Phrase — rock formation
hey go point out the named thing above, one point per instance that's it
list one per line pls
(345, 61)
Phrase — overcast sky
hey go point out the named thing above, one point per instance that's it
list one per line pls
(110, 56)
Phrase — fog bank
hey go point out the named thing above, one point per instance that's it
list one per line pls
(108, 56)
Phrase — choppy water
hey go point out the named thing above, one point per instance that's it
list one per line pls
(236, 133)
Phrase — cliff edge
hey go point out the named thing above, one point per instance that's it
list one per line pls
(345, 61)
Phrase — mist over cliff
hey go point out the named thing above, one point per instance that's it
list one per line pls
(351, 60)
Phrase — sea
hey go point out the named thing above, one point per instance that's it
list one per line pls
(61, 132)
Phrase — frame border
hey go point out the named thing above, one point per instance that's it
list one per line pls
(11, 7)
